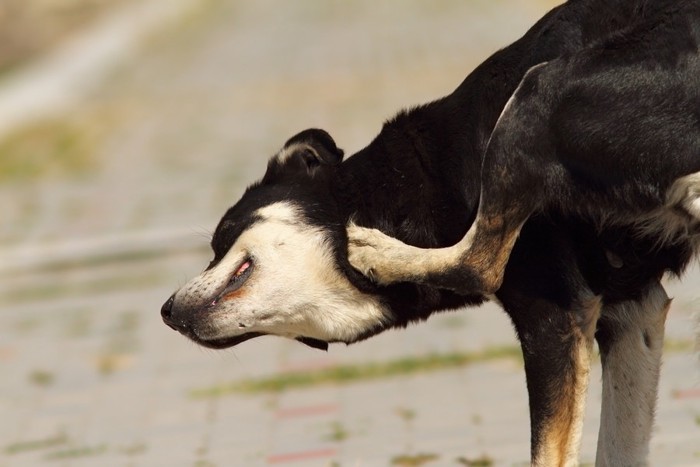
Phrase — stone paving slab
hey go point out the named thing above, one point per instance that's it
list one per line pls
(121, 395)
(91, 376)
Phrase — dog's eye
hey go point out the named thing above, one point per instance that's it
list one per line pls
(243, 268)
(240, 276)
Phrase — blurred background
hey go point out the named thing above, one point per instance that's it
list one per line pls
(126, 130)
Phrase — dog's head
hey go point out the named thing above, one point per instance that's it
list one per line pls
(280, 265)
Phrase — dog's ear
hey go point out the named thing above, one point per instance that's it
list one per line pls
(310, 152)
(320, 147)
(307, 151)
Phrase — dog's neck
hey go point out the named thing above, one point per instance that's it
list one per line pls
(423, 169)
(419, 179)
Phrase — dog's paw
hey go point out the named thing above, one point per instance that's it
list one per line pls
(376, 255)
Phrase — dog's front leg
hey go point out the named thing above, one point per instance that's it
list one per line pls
(630, 338)
(557, 347)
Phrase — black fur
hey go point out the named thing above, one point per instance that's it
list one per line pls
(419, 181)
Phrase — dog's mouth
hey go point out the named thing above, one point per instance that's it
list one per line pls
(226, 342)
(238, 279)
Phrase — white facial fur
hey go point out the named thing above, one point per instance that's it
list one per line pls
(295, 289)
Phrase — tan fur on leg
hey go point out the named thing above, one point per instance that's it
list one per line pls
(562, 436)
(481, 254)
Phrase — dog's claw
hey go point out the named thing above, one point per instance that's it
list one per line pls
(375, 255)
(360, 252)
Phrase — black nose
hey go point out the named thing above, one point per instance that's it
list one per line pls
(166, 311)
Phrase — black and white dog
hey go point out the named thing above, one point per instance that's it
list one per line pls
(571, 159)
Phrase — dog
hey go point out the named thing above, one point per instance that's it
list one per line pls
(568, 158)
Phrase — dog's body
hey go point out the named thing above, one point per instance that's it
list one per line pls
(281, 267)
(609, 133)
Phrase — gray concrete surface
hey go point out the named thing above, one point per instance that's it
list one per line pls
(91, 376)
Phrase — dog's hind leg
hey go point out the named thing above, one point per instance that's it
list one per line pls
(630, 337)
(514, 179)
(474, 265)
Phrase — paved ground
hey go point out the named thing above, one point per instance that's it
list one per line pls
(90, 374)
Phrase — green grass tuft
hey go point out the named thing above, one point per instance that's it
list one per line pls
(77, 452)
(345, 374)
(338, 433)
(413, 460)
(36, 444)
(41, 378)
(483, 461)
